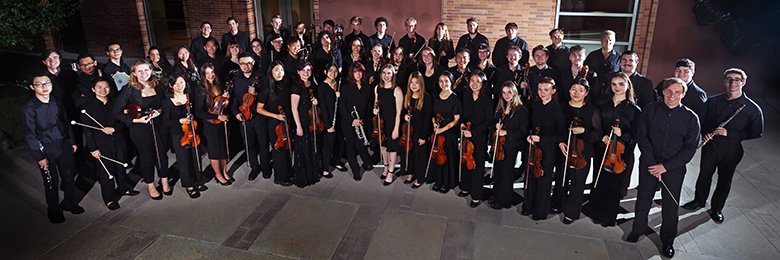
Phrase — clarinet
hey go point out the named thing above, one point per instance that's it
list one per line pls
(359, 130)
(46, 169)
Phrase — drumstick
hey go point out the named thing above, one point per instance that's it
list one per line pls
(87, 126)
(84, 111)
(114, 161)
(110, 177)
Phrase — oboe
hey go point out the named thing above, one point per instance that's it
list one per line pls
(359, 129)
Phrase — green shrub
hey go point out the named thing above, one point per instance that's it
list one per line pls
(13, 94)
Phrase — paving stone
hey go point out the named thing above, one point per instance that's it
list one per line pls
(94, 241)
(501, 242)
(404, 235)
(170, 247)
(728, 239)
(369, 191)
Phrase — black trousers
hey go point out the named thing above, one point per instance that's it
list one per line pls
(724, 156)
(255, 131)
(472, 180)
(537, 191)
(445, 175)
(61, 166)
(187, 164)
(604, 202)
(418, 159)
(568, 194)
(354, 147)
(107, 188)
(504, 176)
(331, 149)
(141, 135)
(644, 199)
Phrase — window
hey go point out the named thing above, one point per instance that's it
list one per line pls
(583, 21)
(165, 20)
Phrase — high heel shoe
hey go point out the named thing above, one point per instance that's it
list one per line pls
(159, 193)
(227, 183)
(386, 183)
(167, 193)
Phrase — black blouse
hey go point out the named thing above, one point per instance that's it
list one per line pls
(479, 112)
(516, 126)
(448, 108)
(590, 119)
(421, 119)
(628, 113)
(550, 119)
(326, 98)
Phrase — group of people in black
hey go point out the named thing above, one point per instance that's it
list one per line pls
(303, 108)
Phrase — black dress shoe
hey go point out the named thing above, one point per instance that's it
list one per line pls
(535, 218)
(693, 205)
(525, 213)
(554, 211)
(283, 183)
(416, 186)
(368, 167)
(167, 193)
(252, 176)
(463, 193)
(567, 221)
(473, 204)
(633, 237)
(435, 187)
(341, 167)
(132, 192)
(113, 206)
(267, 174)
(201, 187)
(357, 176)
(667, 251)
(494, 205)
(193, 193)
(444, 190)
(227, 183)
(159, 193)
(73, 208)
(330, 175)
(716, 216)
(231, 180)
(56, 216)
(409, 181)
(386, 183)
(595, 221)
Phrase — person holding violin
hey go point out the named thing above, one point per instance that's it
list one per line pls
(420, 104)
(211, 95)
(183, 65)
(540, 70)
(411, 41)
(390, 99)
(109, 141)
(475, 126)
(578, 70)
(306, 170)
(245, 86)
(584, 129)
(548, 118)
(375, 62)
(273, 102)
(442, 44)
(329, 93)
(443, 169)
(354, 111)
(429, 69)
(177, 114)
(619, 116)
(512, 123)
(325, 54)
(145, 97)
(461, 72)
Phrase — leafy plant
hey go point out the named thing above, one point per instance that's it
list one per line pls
(20, 19)
(12, 96)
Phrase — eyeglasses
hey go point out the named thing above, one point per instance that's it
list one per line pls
(731, 80)
(245, 63)
(41, 85)
(115, 50)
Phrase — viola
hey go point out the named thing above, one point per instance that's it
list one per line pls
(583, 72)
(498, 146)
(282, 134)
(247, 101)
(190, 138)
(468, 150)
(378, 122)
(438, 153)
(406, 133)
(316, 117)
(576, 145)
(535, 158)
(135, 111)
(220, 103)
(613, 162)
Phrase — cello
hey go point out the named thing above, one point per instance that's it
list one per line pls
(613, 155)
(406, 137)
(190, 138)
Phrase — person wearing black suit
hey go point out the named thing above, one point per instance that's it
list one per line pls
(643, 87)
(472, 39)
(695, 97)
(511, 39)
(234, 35)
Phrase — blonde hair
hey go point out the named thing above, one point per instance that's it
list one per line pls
(410, 20)
(408, 97)
(133, 81)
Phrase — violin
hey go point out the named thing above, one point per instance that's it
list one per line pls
(535, 158)
(282, 133)
(248, 100)
(576, 145)
(135, 111)
(613, 162)
(378, 122)
(468, 150)
(220, 103)
(498, 146)
(583, 72)
(438, 153)
(406, 133)
(190, 138)
(316, 117)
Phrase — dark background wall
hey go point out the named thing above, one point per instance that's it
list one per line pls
(677, 36)
(426, 12)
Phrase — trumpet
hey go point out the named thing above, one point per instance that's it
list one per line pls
(361, 134)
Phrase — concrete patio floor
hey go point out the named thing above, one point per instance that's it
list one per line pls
(339, 218)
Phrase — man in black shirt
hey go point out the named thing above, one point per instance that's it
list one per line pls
(559, 53)
(723, 149)
(502, 44)
(411, 42)
(196, 47)
(50, 141)
(380, 36)
(643, 87)
(539, 71)
(242, 38)
(461, 72)
(356, 21)
(211, 55)
(300, 32)
(88, 75)
(695, 97)
(254, 128)
(328, 25)
(667, 134)
(276, 31)
(605, 60)
(472, 39)
(115, 63)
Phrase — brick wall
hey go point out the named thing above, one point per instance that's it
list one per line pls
(112, 21)
(643, 35)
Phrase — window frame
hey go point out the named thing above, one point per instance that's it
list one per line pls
(633, 16)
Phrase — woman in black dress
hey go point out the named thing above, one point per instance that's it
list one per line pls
(231, 59)
(306, 170)
(430, 70)
(604, 203)
(258, 50)
(177, 114)
(213, 133)
(328, 93)
(355, 111)
(390, 99)
(146, 132)
(548, 117)
(569, 194)
(446, 104)
(160, 66)
(183, 65)
(276, 94)
(355, 53)
(512, 118)
(374, 63)
(478, 114)
(441, 43)
(324, 55)
(403, 66)
(421, 105)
